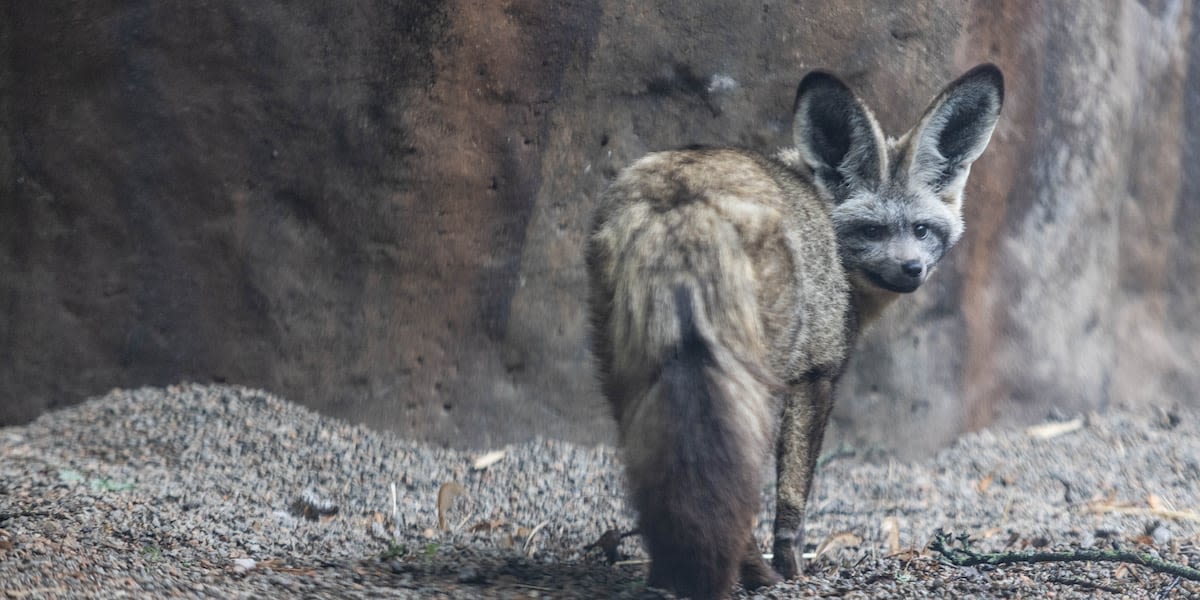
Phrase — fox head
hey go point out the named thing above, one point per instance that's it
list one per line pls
(897, 204)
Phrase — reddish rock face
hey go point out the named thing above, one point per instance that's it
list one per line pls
(378, 210)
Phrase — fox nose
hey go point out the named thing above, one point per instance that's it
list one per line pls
(912, 268)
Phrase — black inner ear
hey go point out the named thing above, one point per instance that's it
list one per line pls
(839, 135)
(831, 135)
(965, 125)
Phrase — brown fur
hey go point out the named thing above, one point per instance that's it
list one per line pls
(722, 317)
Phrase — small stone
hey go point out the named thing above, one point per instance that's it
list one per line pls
(1161, 535)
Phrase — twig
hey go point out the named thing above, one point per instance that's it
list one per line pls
(529, 540)
(1046, 431)
(1166, 593)
(635, 561)
(463, 522)
(397, 520)
(1176, 515)
(534, 587)
(965, 557)
(842, 451)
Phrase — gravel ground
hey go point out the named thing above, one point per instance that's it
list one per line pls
(212, 491)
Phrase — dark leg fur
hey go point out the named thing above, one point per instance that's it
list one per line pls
(755, 572)
(802, 430)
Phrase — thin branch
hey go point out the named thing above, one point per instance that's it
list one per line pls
(1166, 593)
(1177, 515)
(842, 451)
(610, 544)
(965, 557)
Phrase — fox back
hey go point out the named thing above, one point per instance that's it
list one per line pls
(726, 289)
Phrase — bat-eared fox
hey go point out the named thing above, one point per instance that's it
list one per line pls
(726, 289)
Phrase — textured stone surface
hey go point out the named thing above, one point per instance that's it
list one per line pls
(377, 208)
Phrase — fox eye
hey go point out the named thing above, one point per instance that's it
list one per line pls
(920, 230)
(872, 232)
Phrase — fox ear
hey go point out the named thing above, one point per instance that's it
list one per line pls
(954, 132)
(837, 137)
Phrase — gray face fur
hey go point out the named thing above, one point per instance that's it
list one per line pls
(892, 238)
(897, 204)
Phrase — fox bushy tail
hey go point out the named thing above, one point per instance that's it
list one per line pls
(695, 451)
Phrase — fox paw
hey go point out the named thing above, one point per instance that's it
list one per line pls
(785, 560)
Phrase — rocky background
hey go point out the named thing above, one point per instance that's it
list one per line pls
(377, 208)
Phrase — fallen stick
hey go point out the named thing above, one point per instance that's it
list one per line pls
(965, 557)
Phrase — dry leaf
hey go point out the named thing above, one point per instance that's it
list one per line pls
(891, 528)
(985, 483)
(449, 491)
(1046, 431)
(838, 541)
(488, 460)
(987, 533)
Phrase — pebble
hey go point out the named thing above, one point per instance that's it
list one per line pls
(244, 564)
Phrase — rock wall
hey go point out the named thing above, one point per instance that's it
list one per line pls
(377, 208)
